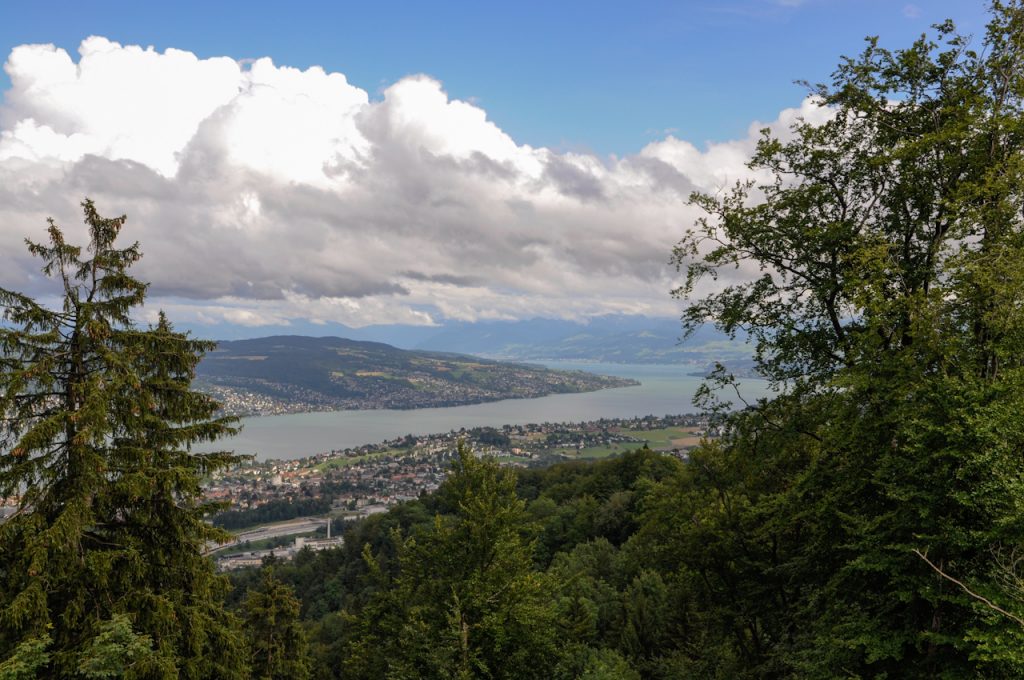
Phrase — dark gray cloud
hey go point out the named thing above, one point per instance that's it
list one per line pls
(571, 180)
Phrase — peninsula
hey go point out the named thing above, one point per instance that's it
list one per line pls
(294, 374)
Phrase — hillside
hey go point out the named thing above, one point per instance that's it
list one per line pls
(294, 373)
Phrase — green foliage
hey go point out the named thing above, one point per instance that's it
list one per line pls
(277, 642)
(104, 554)
(392, 601)
(866, 522)
(886, 248)
(272, 511)
(587, 663)
(465, 602)
(888, 244)
(116, 651)
(29, 656)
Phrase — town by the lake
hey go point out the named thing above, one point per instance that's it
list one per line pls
(274, 501)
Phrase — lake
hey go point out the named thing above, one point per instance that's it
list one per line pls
(664, 390)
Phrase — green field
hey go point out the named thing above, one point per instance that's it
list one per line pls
(345, 461)
(664, 439)
(512, 459)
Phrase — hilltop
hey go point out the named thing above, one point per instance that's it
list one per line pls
(291, 373)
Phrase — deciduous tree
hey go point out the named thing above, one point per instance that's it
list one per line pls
(882, 282)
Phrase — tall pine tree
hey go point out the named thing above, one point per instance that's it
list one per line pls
(98, 423)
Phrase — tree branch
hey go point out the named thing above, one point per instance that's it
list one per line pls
(987, 602)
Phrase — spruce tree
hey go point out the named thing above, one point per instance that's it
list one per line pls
(98, 422)
(277, 643)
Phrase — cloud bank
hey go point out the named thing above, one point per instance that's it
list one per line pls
(263, 194)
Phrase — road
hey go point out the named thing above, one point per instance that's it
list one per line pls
(303, 525)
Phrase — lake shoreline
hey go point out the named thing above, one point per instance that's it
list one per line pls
(624, 382)
(664, 389)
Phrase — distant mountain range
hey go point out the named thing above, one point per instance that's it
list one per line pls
(612, 338)
(292, 373)
(616, 339)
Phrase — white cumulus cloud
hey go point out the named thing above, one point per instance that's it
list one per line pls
(263, 193)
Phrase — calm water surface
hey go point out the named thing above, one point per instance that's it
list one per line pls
(664, 390)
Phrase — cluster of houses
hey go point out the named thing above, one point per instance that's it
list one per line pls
(360, 481)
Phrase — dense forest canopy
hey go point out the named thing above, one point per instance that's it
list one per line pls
(866, 522)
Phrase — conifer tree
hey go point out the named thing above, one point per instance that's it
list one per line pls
(277, 643)
(98, 422)
(466, 602)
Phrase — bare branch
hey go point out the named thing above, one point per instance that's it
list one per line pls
(981, 598)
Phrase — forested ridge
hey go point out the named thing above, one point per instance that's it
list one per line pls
(866, 522)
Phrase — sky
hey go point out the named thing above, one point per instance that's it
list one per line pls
(405, 163)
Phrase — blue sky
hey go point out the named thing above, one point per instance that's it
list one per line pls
(405, 163)
(578, 75)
